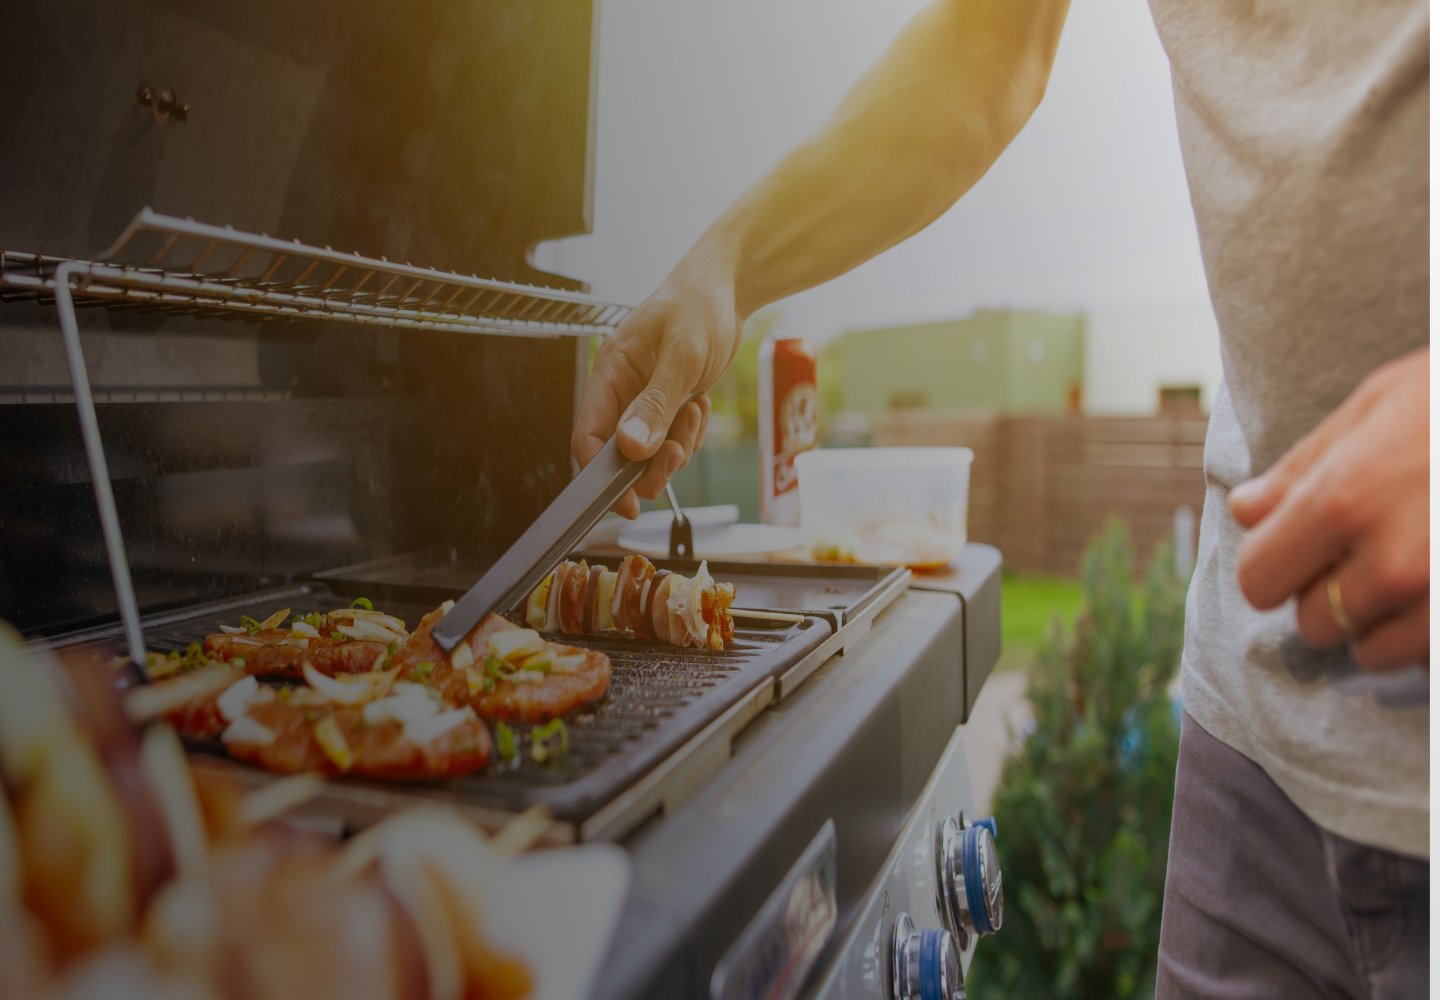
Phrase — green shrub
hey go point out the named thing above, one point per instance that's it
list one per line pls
(1083, 806)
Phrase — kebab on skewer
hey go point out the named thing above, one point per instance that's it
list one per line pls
(635, 600)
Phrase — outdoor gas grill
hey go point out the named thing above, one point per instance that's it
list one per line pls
(202, 422)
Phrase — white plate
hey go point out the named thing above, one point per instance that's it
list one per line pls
(655, 524)
(726, 540)
(556, 910)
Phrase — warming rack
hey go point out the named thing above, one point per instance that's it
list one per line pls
(183, 266)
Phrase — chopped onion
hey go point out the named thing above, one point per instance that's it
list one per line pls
(462, 656)
(238, 697)
(423, 731)
(446, 606)
(233, 629)
(568, 664)
(409, 703)
(474, 680)
(525, 677)
(702, 582)
(249, 732)
(361, 629)
(353, 690)
(358, 615)
(166, 772)
(516, 643)
(150, 701)
(275, 620)
(332, 741)
(306, 629)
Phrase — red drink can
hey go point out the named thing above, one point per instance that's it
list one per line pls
(789, 423)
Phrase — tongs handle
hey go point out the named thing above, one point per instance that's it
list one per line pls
(597, 488)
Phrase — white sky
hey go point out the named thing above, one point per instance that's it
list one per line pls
(1087, 209)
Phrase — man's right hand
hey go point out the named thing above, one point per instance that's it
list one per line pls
(670, 349)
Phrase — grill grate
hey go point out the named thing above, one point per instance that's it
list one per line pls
(660, 697)
(184, 266)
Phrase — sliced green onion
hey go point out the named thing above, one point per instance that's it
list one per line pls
(238, 663)
(541, 736)
(495, 668)
(487, 685)
(421, 670)
(251, 625)
(504, 741)
(363, 603)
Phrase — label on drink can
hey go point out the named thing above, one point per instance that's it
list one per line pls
(789, 423)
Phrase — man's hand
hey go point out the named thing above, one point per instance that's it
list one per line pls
(673, 347)
(1345, 516)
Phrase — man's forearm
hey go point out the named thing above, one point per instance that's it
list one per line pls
(921, 127)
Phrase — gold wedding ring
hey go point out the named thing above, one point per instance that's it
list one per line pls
(1337, 606)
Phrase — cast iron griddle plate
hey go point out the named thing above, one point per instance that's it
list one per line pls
(660, 696)
(840, 592)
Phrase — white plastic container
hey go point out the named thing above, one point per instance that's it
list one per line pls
(891, 506)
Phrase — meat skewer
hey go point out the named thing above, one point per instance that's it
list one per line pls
(636, 600)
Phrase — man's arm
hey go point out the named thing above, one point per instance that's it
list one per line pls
(912, 136)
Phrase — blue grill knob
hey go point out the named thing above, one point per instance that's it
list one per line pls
(971, 895)
(925, 964)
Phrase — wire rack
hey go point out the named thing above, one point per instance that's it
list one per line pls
(182, 266)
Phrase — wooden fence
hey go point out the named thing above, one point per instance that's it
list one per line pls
(1042, 486)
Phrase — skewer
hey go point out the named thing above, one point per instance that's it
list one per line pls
(766, 616)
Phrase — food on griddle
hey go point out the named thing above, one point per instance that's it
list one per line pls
(344, 641)
(371, 725)
(637, 600)
(505, 671)
(123, 875)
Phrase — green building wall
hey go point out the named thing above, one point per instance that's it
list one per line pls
(1002, 361)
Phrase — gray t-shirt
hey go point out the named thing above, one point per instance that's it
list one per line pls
(1304, 127)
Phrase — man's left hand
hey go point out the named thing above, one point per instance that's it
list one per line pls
(1342, 521)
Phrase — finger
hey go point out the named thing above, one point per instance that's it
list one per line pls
(1311, 528)
(1398, 641)
(686, 428)
(648, 418)
(663, 466)
(629, 506)
(667, 461)
(611, 384)
(703, 401)
(1375, 583)
(1255, 499)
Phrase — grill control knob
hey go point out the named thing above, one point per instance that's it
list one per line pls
(924, 965)
(971, 895)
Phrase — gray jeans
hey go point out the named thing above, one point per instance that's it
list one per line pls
(1261, 902)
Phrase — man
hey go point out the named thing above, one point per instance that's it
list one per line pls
(1299, 850)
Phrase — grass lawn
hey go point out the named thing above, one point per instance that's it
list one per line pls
(1028, 604)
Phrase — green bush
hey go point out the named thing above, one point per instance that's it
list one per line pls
(1083, 806)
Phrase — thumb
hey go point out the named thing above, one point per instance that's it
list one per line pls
(648, 418)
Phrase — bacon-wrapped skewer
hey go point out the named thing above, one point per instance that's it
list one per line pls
(636, 600)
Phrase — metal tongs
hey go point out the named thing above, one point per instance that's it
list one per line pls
(553, 535)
